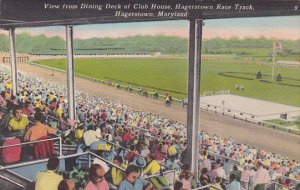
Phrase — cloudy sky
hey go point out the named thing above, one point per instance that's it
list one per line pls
(287, 27)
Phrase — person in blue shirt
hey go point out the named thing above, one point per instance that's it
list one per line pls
(234, 184)
(132, 180)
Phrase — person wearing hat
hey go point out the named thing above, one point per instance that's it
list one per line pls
(139, 162)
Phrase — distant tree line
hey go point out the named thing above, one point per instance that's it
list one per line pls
(42, 44)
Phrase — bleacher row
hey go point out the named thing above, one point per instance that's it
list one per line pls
(108, 129)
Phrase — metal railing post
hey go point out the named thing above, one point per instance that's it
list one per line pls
(89, 160)
(60, 146)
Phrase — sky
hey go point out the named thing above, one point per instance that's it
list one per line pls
(284, 27)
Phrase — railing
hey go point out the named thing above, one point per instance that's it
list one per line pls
(283, 187)
(35, 142)
(279, 127)
(235, 162)
(248, 117)
(11, 181)
(90, 156)
(171, 182)
(97, 156)
(125, 149)
(293, 182)
(57, 120)
(207, 186)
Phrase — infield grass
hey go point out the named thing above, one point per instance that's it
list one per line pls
(170, 76)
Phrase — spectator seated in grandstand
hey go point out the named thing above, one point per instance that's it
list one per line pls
(66, 184)
(91, 136)
(204, 177)
(178, 185)
(97, 179)
(114, 175)
(133, 181)
(161, 132)
(152, 167)
(186, 178)
(172, 163)
(18, 122)
(49, 180)
(38, 130)
(217, 184)
(233, 183)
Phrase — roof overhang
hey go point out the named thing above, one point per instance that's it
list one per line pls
(36, 13)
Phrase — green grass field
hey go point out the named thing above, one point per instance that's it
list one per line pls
(170, 75)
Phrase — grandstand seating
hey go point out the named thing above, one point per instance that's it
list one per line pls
(112, 120)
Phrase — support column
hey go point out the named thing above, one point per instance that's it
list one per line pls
(193, 108)
(70, 71)
(14, 74)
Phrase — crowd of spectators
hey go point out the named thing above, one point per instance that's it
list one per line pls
(145, 142)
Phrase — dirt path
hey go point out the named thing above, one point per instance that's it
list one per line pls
(260, 137)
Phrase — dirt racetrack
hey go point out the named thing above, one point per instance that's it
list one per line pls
(285, 144)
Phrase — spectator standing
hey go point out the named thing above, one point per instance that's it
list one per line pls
(245, 177)
(261, 177)
(221, 172)
(233, 183)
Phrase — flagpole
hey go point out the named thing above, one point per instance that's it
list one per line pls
(273, 65)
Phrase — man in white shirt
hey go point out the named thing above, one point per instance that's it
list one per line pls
(221, 172)
(90, 136)
(261, 177)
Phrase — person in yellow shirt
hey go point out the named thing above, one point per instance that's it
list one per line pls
(18, 122)
(172, 150)
(152, 166)
(217, 184)
(117, 176)
(8, 85)
(59, 112)
(79, 131)
(39, 104)
(49, 180)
